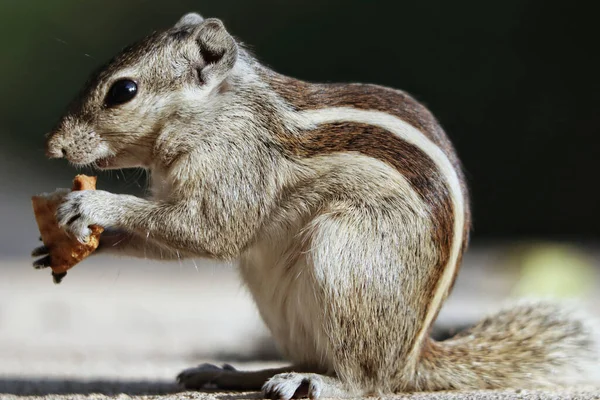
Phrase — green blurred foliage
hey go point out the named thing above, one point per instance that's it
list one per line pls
(513, 82)
(553, 270)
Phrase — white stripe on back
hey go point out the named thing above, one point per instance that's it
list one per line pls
(410, 134)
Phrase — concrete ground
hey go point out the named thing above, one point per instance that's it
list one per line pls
(123, 329)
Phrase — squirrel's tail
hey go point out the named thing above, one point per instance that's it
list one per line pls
(532, 344)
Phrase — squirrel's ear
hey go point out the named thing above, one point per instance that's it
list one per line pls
(218, 49)
(189, 19)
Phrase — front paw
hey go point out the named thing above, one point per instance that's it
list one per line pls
(84, 208)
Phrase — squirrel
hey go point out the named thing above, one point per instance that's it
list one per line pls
(344, 204)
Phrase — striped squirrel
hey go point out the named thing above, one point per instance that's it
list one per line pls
(345, 205)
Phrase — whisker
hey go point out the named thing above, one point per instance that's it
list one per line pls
(146, 244)
(119, 241)
(135, 143)
(138, 175)
(118, 275)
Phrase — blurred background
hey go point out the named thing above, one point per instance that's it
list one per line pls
(514, 83)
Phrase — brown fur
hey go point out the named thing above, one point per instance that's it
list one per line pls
(304, 95)
(407, 159)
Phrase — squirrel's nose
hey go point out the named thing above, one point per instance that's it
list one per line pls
(54, 148)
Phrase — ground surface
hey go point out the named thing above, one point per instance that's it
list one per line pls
(124, 329)
(474, 395)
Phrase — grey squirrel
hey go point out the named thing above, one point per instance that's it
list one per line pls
(345, 205)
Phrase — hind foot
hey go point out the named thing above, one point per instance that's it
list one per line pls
(294, 386)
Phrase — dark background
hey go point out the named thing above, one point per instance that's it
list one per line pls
(514, 83)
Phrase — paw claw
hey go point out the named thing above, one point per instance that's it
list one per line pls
(84, 235)
(42, 263)
(57, 277)
(40, 251)
(228, 367)
(79, 210)
(292, 386)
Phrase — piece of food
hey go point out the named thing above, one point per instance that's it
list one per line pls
(64, 250)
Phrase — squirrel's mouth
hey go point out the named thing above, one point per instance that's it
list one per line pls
(104, 162)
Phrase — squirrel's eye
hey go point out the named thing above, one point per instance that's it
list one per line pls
(121, 92)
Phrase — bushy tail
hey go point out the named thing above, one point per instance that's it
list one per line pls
(532, 344)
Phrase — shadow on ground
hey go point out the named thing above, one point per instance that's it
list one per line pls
(55, 387)
(42, 387)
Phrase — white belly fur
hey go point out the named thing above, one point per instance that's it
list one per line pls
(285, 297)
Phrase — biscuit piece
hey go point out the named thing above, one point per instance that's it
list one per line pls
(64, 251)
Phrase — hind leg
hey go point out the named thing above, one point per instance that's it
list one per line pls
(352, 303)
(373, 296)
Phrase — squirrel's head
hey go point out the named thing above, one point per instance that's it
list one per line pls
(117, 118)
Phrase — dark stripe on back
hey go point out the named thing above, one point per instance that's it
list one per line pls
(409, 160)
(309, 96)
